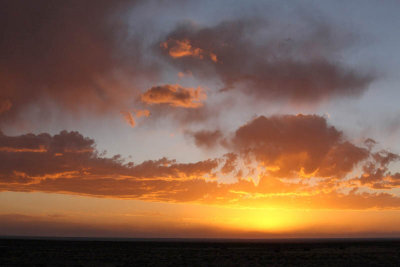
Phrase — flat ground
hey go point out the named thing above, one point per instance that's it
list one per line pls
(17, 252)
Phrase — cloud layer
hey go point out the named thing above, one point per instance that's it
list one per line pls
(265, 153)
(100, 62)
(71, 54)
(299, 68)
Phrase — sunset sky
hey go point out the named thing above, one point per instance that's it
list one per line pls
(216, 119)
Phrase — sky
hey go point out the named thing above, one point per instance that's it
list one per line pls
(200, 119)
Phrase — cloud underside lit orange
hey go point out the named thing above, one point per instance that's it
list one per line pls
(183, 48)
(174, 95)
(270, 165)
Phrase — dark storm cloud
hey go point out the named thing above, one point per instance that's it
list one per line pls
(84, 55)
(248, 55)
(69, 52)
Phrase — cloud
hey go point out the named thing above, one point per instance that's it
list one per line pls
(72, 54)
(205, 138)
(69, 154)
(293, 145)
(142, 113)
(70, 142)
(230, 163)
(96, 61)
(174, 95)
(293, 161)
(128, 117)
(376, 173)
(5, 105)
(298, 65)
(183, 48)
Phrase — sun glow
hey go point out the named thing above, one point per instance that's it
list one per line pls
(266, 220)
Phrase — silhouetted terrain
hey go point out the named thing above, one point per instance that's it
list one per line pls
(334, 252)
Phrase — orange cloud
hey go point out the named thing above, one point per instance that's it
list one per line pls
(183, 74)
(174, 95)
(302, 144)
(128, 117)
(279, 161)
(184, 48)
(41, 149)
(142, 113)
